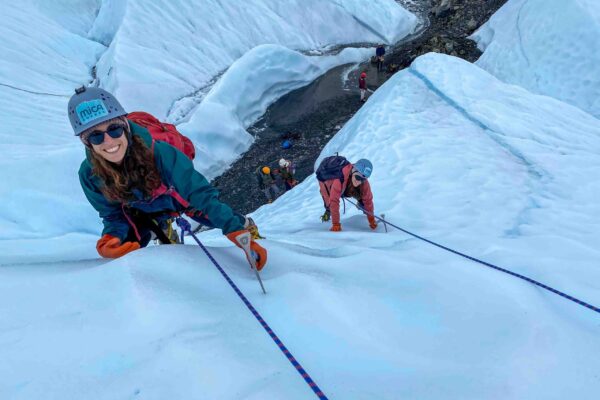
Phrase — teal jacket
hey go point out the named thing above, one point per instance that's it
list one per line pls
(183, 189)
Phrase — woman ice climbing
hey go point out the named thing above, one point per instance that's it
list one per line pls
(339, 178)
(137, 184)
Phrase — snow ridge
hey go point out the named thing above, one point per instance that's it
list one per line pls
(534, 170)
(547, 47)
(520, 33)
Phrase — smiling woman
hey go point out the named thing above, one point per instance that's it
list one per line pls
(137, 184)
(107, 140)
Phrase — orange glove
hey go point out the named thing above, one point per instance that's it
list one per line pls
(336, 228)
(260, 253)
(110, 247)
(372, 222)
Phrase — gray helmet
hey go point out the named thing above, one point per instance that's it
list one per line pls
(364, 167)
(92, 106)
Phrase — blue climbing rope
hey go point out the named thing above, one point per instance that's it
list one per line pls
(558, 292)
(186, 227)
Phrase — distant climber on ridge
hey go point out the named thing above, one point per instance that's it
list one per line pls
(362, 85)
(339, 178)
(380, 54)
(136, 183)
(287, 171)
(267, 183)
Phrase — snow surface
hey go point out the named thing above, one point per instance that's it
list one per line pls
(461, 158)
(40, 197)
(154, 56)
(549, 47)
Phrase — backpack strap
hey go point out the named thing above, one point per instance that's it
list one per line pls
(171, 190)
(135, 230)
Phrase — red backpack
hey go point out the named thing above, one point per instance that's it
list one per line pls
(164, 132)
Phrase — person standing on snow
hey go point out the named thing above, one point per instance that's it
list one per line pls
(287, 170)
(136, 183)
(362, 85)
(351, 181)
(266, 182)
(380, 54)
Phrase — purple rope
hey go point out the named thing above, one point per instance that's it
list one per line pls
(186, 227)
(558, 292)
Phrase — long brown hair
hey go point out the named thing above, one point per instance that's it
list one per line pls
(137, 171)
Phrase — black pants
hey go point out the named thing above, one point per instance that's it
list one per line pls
(145, 224)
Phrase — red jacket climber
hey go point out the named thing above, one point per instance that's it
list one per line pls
(362, 85)
(354, 184)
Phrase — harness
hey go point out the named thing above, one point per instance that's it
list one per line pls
(148, 220)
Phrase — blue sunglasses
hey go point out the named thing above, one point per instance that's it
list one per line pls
(359, 177)
(97, 137)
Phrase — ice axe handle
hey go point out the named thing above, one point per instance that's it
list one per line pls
(244, 240)
(384, 224)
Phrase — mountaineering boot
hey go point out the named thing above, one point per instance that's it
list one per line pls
(251, 226)
(172, 233)
(167, 228)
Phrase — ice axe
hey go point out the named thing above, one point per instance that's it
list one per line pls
(384, 222)
(381, 218)
(244, 241)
